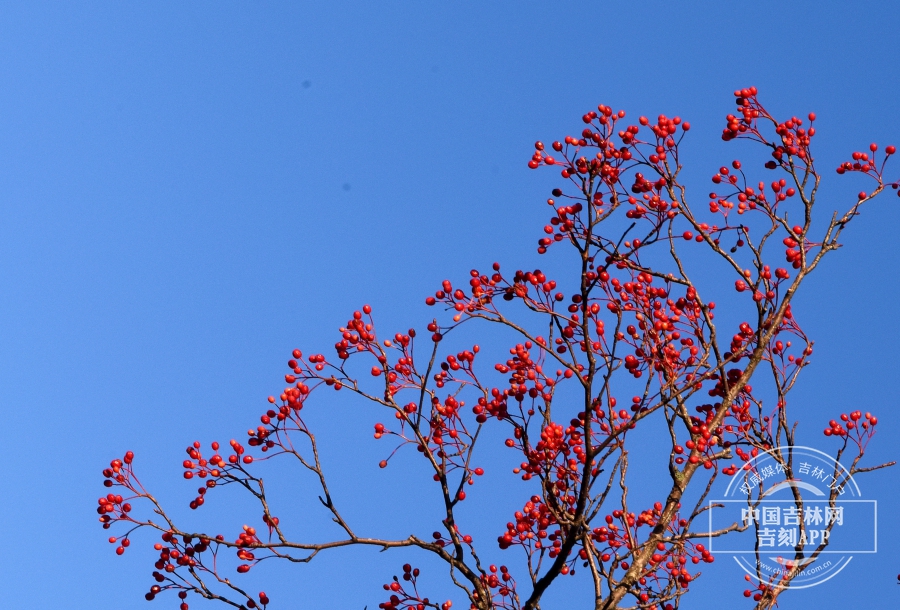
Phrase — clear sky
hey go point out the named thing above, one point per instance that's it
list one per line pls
(189, 190)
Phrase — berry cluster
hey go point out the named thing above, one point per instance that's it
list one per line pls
(851, 428)
(401, 599)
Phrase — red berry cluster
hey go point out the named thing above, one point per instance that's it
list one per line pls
(760, 590)
(610, 160)
(667, 566)
(531, 526)
(793, 141)
(502, 581)
(851, 428)
(401, 599)
(113, 507)
(866, 163)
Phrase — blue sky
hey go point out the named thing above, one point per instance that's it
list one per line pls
(191, 190)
